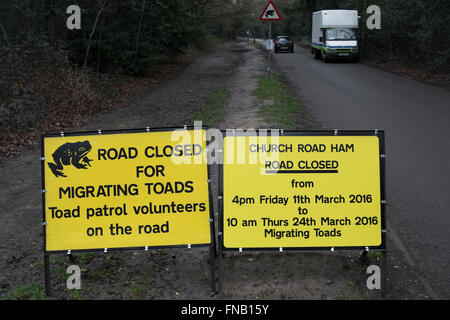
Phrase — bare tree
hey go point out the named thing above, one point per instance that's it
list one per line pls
(139, 28)
(102, 7)
(4, 34)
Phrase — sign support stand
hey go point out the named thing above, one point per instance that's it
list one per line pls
(213, 267)
(220, 261)
(212, 250)
(220, 221)
(236, 247)
(48, 289)
(204, 242)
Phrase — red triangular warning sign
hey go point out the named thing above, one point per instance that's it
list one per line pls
(270, 13)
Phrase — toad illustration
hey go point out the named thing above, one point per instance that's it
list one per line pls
(70, 153)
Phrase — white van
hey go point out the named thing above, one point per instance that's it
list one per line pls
(334, 34)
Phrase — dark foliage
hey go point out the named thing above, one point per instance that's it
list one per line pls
(52, 77)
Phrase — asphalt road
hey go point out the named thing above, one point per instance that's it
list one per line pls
(416, 120)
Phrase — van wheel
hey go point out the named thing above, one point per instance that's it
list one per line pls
(316, 54)
(323, 56)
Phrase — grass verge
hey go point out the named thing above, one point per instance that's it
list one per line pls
(211, 111)
(258, 45)
(281, 107)
(29, 291)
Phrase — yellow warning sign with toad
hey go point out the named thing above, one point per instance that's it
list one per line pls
(125, 189)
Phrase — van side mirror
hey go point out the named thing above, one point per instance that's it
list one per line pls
(321, 39)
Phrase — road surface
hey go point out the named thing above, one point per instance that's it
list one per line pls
(416, 120)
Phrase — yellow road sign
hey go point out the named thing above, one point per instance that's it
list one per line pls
(302, 191)
(125, 190)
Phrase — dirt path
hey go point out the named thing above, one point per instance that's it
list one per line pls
(174, 273)
(242, 108)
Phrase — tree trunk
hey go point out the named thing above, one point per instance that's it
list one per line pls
(102, 7)
(50, 20)
(98, 47)
(4, 34)
(139, 29)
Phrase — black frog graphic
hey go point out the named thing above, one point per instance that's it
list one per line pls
(70, 154)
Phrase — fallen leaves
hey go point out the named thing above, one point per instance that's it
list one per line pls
(411, 73)
(73, 97)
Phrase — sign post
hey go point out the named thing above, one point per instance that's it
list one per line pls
(269, 65)
(270, 14)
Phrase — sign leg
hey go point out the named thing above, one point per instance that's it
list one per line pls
(213, 268)
(384, 276)
(48, 289)
(220, 271)
(364, 258)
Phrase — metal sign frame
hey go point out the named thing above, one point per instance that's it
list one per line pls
(382, 247)
(211, 244)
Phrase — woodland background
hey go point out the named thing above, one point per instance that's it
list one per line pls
(53, 78)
